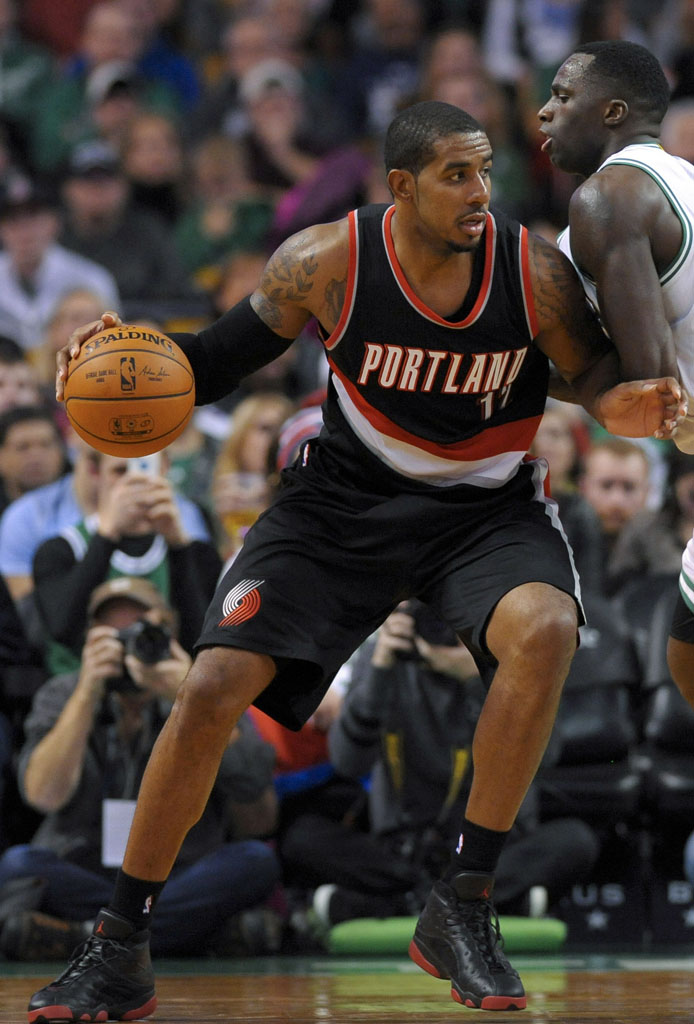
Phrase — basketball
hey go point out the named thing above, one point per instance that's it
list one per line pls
(130, 391)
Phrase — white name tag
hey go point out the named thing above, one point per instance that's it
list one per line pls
(116, 819)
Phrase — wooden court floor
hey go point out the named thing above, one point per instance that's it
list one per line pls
(561, 990)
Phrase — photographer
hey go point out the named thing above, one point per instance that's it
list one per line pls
(408, 718)
(88, 738)
(141, 527)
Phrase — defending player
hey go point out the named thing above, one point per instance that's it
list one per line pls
(631, 234)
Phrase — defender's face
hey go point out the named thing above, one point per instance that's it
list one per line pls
(452, 192)
(572, 119)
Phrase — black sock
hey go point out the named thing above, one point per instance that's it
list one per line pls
(135, 899)
(479, 849)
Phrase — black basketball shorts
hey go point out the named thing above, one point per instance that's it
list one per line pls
(327, 563)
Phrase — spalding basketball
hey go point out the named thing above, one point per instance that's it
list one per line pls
(130, 391)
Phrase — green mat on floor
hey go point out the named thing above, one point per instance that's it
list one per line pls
(391, 936)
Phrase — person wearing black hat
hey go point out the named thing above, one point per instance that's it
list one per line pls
(102, 223)
(88, 736)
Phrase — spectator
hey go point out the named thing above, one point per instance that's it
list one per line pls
(241, 488)
(246, 41)
(154, 164)
(283, 142)
(225, 213)
(651, 542)
(561, 439)
(35, 271)
(101, 220)
(32, 451)
(138, 529)
(408, 719)
(383, 71)
(77, 306)
(87, 100)
(44, 512)
(27, 73)
(88, 737)
(451, 51)
(615, 480)
(19, 384)
(160, 60)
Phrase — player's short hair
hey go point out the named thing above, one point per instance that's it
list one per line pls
(633, 70)
(414, 132)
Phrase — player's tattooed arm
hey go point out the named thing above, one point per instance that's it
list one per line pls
(287, 282)
(569, 329)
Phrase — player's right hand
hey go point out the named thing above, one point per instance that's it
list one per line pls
(75, 342)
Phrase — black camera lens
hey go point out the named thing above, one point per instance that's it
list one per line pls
(149, 642)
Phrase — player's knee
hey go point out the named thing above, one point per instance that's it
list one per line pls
(538, 625)
(220, 686)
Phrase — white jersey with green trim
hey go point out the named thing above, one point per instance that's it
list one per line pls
(676, 179)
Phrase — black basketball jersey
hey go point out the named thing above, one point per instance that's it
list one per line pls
(439, 401)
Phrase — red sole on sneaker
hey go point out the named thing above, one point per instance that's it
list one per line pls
(416, 954)
(491, 1002)
(57, 1014)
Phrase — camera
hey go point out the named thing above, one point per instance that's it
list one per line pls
(149, 643)
(429, 626)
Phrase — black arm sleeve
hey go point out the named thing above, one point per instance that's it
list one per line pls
(234, 346)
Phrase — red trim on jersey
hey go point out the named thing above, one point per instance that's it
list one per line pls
(481, 301)
(514, 436)
(526, 282)
(335, 335)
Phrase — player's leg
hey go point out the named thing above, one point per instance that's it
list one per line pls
(680, 647)
(532, 634)
(516, 599)
(221, 684)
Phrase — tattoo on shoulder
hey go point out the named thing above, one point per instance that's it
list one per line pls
(287, 279)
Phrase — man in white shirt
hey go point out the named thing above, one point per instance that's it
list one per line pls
(34, 270)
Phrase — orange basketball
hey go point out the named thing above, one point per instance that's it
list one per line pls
(130, 391)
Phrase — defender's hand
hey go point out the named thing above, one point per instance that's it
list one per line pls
(75, 342)
(644, 408)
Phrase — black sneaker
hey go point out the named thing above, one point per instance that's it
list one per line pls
(107, 978)
(457, 937)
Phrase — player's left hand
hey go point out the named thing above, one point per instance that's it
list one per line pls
(644, 408)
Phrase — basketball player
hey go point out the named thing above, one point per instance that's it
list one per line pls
(438, 319)
(631, 235)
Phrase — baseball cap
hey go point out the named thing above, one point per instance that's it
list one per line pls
(110, 78)
(23, 195)
(93, 159)
(267, 75)
(130, 588)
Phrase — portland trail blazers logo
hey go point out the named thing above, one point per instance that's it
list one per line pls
(241, 603)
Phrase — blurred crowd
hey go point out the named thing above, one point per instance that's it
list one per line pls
(153, 153)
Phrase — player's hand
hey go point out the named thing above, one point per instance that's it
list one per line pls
(644, 408)
(75, 342)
